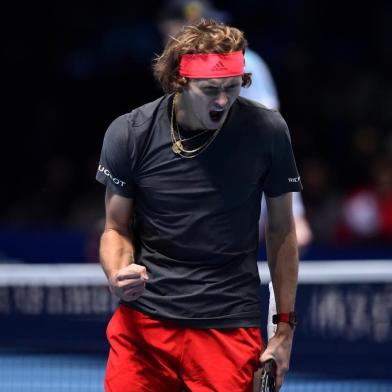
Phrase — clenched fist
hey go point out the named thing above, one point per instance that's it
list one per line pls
(129, 282)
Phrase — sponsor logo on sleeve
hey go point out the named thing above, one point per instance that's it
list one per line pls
(108, 174)
(294, 179)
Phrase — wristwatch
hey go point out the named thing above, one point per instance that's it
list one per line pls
(289, 318)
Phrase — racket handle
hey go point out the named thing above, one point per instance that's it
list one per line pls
(271, 328)
(268, 376)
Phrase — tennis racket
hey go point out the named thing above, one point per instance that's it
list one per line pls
(268, 374)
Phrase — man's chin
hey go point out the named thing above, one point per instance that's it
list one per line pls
(214, 124)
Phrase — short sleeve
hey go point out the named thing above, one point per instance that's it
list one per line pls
(282, 176)
(115, 164)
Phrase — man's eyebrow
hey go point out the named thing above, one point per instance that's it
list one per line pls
(213, 86)
(233, 84)
(208, 86)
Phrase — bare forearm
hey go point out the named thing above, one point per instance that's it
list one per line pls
(116, 251)
(282, 252)
(282, 255)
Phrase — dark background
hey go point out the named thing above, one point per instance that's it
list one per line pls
(71, 67)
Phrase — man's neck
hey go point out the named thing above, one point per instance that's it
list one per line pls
(183, 116)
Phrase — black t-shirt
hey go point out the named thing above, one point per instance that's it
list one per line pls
(196, 220)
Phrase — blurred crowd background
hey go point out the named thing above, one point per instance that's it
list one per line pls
(72, 67)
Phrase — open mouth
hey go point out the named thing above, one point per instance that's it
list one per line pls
(216, 115)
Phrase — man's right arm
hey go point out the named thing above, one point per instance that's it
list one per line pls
(126, 279)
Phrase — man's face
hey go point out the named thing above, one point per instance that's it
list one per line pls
(206, 102)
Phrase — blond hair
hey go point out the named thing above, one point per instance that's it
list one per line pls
(206, 36)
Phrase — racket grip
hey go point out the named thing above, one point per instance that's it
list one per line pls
(268, 376)
(271, 328)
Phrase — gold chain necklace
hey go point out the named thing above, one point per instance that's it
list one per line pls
(177, 143)
(186, 139)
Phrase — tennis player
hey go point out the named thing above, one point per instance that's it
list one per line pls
(184, 176)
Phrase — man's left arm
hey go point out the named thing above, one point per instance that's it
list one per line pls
(282, 254)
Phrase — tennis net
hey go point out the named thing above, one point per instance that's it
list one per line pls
(53, 319)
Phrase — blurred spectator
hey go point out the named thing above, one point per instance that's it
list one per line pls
(367, 209)
(177, 13)
(365, 146)
(322, 200)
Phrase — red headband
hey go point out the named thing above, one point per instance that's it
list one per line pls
(212, 65)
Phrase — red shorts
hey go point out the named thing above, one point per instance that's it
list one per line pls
(148, 355)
